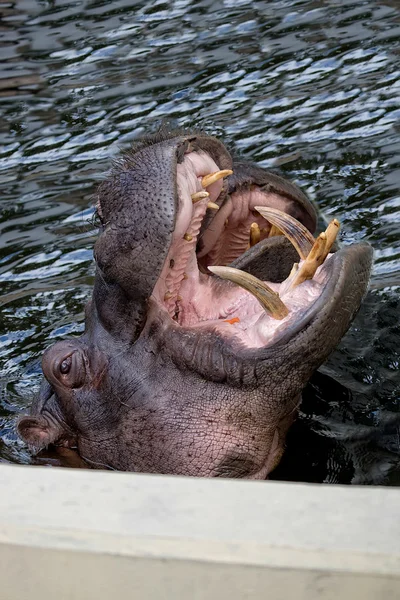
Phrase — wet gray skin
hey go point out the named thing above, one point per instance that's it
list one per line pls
(139, 390)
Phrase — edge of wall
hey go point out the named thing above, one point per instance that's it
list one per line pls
(82, 534)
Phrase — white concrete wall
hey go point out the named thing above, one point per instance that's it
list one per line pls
(75, 534)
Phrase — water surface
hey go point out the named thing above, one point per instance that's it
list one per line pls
(311, 87)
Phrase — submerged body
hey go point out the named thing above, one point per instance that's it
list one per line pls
(180, 371)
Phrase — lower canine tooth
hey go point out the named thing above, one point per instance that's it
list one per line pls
(213, 177)
(255, 234)
(213, 206)
(296, 233)
(199, 196)
(268, 299)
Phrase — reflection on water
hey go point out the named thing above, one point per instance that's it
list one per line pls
(311, 86)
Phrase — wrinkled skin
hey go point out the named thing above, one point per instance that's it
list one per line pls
(169, 385)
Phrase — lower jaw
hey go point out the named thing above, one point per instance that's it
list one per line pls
(208, 304)
(273, 458)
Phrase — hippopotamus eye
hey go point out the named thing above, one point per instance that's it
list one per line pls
(70, 369)
(65, 366)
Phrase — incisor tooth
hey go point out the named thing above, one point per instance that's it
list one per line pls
(255, 234)
(331, 232)
(296, 233)
(312, 262)
(188, 237)
(268, 299)
(274, 231)
(213, 206)
(320, 250)
(167, 295)
(199, 196)
(213, 177)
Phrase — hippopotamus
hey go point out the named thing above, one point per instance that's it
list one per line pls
(213, 303)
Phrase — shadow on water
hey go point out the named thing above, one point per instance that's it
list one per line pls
(310, 85)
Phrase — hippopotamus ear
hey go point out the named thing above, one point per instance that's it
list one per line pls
(44, 425)
(38, 432)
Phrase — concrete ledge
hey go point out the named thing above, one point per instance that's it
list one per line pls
(72, 534)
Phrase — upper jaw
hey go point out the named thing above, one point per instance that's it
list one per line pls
(138, 206)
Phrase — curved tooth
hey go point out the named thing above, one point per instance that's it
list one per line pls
(274, 231)
(294, 270)
(312, 262)
(331, 232)
(199, 196)
(320, 250)
(255, 234)
(213, 177)
(213, 206)
(299, 235)
(268, 299)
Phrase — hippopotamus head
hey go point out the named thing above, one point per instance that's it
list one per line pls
(204, 326)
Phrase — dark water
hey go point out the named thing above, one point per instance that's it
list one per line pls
(310, 86)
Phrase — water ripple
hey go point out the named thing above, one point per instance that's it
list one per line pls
(312, 88)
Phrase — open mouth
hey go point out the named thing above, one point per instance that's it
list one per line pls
(198, 289)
